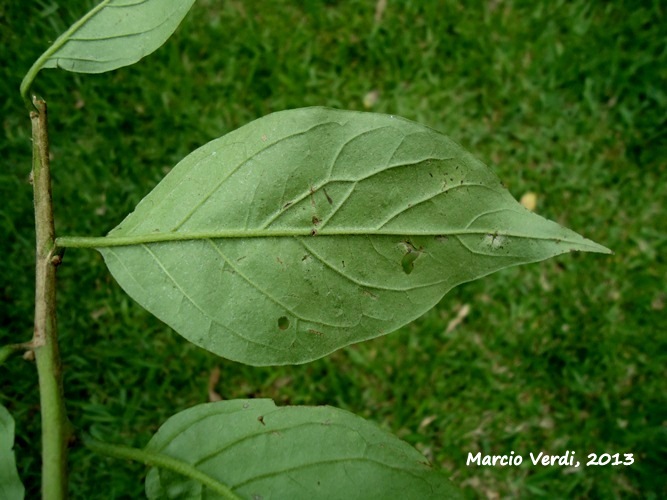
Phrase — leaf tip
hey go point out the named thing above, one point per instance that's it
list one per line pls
(591, 246)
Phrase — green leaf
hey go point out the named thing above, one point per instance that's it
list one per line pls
(311, 229)
(114, 34)
(11, 487)
(262, 451)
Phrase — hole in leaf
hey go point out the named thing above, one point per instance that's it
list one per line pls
(283, 323)
(408, 262)
(411, 255)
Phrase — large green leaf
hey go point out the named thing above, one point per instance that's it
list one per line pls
(116, 33)
(311, 229)
(259, 450)
(11, 487)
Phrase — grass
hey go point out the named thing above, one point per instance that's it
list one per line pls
(563, 99)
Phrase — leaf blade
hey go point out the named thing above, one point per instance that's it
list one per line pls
(308, 230)
(113, 34)
(294, 451)
(11, 487)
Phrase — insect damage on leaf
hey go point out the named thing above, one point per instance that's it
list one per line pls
(410, 256)
(495, 241)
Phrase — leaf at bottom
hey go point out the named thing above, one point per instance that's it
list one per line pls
(261, 451)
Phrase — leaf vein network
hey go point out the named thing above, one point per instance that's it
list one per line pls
(235, 169)
(265, 292)
(194, 303)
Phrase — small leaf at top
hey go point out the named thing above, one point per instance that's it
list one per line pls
(114, 34)
(311, 229)
(11, 487)
(259, 450)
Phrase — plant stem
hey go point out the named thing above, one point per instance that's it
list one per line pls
(56, 429)
(160, 460)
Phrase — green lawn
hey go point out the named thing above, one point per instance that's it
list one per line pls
(567, 100)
